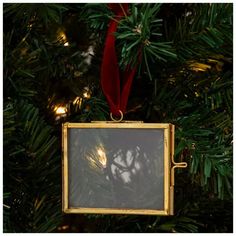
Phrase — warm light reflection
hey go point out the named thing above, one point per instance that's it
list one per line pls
(97, 158)
(77, 101)
(60, 110)
(86, 95)
(197, 66)
(100, 152)
(65, 227)
(62, 36)
(86, 92)
(63, 39)
(92, 162)
(102, 157)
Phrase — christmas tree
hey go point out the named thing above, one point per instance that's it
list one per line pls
(182, 54)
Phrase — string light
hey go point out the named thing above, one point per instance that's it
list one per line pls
(63, 39)
(64, 227)
(197, 66)
(86, 93)
(77, 102)
(60, 110)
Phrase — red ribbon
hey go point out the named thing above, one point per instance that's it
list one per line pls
(116, 87)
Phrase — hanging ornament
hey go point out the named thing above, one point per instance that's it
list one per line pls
(118, 167)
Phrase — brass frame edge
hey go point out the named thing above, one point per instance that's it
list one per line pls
(65, 205)
(132, 125)
(62, 166)
(172, 149)
(166, 169)
(115, 211)
(123, 121)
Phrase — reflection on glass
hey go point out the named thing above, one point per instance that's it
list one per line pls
(109, 171)
(102, 157)
(97, 157)
(126, 164)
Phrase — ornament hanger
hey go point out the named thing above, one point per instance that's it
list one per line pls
(118, 120)
(115, 83)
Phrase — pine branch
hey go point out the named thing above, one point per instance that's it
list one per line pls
(203, 31)
(34, 160)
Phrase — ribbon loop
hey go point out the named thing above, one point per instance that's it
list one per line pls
(116, 95)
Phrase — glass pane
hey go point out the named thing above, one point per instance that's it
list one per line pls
(116, 168)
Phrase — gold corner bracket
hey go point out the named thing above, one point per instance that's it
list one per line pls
(173, 166)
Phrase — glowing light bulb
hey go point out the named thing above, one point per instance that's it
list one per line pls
(86, 95)
(60, 110)
(61, 37)
(78, 101)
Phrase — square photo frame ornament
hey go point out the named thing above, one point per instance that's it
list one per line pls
(118, 168)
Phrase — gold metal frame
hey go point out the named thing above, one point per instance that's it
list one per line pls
(169, 167)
